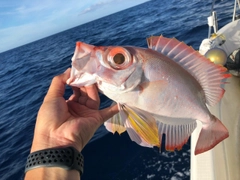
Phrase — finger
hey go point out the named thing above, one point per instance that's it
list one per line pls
(109, 112)
(83, 96)
(76, 94)
(92, 93)
(71, 98)
(57, 87)
(83, 91)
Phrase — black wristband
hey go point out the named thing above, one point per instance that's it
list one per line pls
(68, 158)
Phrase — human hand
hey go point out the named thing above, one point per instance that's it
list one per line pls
(69, 122)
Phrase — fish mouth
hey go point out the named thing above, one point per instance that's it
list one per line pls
(81, 79)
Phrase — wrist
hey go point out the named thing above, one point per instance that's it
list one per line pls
(46, 142)
(45, 173)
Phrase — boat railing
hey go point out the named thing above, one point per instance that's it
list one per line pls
(235, 16)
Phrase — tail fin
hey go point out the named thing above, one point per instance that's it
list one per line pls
(211, 135)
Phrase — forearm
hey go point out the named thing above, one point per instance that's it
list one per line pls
(52, 173)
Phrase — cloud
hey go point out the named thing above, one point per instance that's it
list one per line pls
(95, 6)
(110, 6)
(27, 21)
(51, 23)
(23, 9)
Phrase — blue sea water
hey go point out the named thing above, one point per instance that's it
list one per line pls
(26, 73)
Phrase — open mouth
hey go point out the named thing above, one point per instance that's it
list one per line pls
(81, 79)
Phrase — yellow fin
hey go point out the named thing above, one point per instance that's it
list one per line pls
(144, 125)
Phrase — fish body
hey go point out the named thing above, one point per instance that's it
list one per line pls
(160, 90)
(162, 81)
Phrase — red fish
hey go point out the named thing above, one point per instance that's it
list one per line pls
(160, 90)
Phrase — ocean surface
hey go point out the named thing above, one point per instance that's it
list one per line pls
(26, 72)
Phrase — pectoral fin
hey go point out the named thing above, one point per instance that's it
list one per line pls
(141, 126)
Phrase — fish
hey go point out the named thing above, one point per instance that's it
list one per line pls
(160, 90)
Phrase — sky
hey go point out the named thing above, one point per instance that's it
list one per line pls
(24, 21)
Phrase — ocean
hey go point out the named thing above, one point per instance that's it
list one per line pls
(26, 72)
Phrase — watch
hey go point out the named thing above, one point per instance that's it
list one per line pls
(67, 157)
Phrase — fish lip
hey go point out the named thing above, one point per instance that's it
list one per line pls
(86, 79)
(82, 78)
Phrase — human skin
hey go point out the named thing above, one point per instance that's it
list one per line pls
(62, 123)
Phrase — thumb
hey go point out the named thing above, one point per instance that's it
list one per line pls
(109, 112)
(57, 87)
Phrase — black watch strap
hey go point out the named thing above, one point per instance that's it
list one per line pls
(68, 158)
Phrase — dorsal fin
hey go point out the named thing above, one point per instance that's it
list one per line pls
(209, 75)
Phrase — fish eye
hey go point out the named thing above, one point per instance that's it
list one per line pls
(119, 58)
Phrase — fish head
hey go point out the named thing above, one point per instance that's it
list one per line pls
(113, 68)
